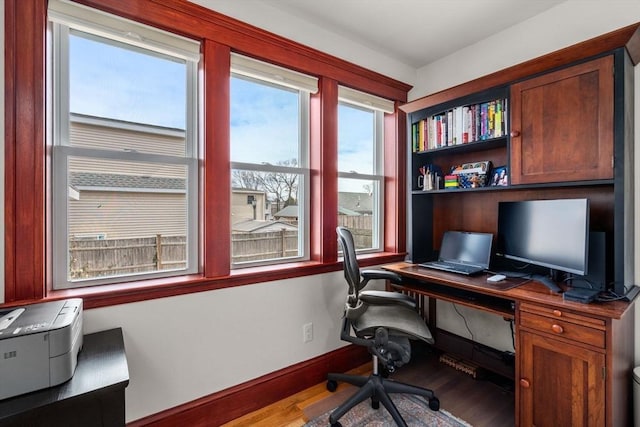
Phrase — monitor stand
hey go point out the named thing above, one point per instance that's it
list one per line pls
(632, 293)
(547, 281)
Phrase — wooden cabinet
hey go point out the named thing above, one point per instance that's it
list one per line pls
(569, 134)
(562, 125)
(562, 369)
(563, 128)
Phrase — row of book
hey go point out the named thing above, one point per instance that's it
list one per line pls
(460, 125)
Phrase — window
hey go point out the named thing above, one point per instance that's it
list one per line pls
(360, 166)
(125, 159)
(269, 162)
(37, 196)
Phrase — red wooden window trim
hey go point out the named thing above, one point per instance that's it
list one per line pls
(24, 149)
(26, 185)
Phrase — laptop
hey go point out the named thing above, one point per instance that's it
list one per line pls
(463, 252)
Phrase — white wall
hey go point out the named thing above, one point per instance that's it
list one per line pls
(564, 25)
(308, 33)
(185, 347)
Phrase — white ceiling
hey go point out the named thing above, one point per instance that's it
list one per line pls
(413, 32)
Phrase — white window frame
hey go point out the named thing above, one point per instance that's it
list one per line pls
(65, 17)
(379, 106)
(282, 78)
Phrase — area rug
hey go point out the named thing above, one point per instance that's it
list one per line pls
(413, 409)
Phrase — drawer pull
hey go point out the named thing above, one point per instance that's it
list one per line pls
(514, 134)
(524, 383)
(557, 313)
(557, 329)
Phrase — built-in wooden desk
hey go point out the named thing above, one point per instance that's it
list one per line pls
(94, 396)
(573, 361)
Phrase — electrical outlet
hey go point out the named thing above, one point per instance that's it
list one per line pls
(307, 332)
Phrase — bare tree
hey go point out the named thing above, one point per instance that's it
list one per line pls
(281, 188)
(248, 180)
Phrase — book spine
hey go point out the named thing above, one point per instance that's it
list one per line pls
(461, 125)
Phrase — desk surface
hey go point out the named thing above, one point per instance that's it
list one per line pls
(102, 365)
(530, 291)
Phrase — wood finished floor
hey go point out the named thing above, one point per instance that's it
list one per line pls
(481, 403)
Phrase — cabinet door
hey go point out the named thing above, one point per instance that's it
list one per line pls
(562, 125)
(561, 384)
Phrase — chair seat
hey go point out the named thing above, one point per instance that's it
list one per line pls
(398, 319)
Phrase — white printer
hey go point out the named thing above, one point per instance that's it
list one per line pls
(39, 345)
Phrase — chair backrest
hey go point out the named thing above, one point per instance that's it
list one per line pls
(350, 262)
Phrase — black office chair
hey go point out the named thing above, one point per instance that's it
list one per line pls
(383, 322)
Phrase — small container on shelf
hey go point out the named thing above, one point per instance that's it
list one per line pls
(472, 175)
(429, 178)
(450, 181)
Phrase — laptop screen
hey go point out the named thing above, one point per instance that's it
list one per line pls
(466, 247)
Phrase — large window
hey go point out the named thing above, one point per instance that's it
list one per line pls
(360, 166)
(269, 162)
(125, 159)
(160, 157)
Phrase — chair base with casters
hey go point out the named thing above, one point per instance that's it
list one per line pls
(383, 322)
(376, 387)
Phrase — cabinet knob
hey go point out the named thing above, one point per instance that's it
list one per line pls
(557, 313)
(515, 133)
(524, 383)
(557, 329)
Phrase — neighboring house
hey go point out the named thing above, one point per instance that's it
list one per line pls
(248, 204)
(261, 226)
(288, 214)
(347, 212)
(113, 206)
(349, 204)
(362, 203)
(115, 199)
(108, 200)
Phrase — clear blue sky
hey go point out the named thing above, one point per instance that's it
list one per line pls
(112, 82)
(108, 81)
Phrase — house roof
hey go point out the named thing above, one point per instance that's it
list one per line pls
(290, 211)
(356, 202)
(103, 181)
(345, 211)
(261, 226)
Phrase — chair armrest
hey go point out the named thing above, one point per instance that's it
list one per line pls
(386, 297)
(381, 274)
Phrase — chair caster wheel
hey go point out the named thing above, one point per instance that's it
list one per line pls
(384, 372)
(336, 424)
(332, 386)
(375, 404)
(434, 404)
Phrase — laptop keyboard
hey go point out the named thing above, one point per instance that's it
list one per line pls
(448, 266)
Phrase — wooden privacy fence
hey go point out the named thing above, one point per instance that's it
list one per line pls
(109, 257)
(360, 227)
(262, 246)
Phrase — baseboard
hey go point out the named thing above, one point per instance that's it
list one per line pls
(226, 405)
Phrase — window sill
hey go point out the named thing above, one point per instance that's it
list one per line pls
(107, 295)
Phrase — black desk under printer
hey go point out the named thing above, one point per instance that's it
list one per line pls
(53, 375)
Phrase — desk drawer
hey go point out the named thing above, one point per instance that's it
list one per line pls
(559, 327)
(568, 316)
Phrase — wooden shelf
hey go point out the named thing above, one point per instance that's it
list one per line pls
(469, 147)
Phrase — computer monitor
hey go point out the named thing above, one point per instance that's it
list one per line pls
(546, 233)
